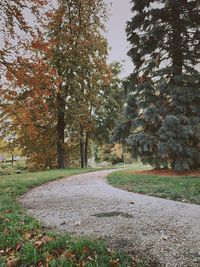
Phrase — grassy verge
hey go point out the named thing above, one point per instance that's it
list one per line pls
(23, 242)
(185, 189)
(15, 168)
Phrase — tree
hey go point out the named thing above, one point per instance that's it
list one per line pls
(17, 28)
(162, 125)
(28, 109)
(111, 109)
(79, 56)
(53, 87)
(109, 113)
(15, 19)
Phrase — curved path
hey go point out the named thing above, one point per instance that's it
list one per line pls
(85, 204)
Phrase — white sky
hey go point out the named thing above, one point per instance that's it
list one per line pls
(116, 35)
(120, 13)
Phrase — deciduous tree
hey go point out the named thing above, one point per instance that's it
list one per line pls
(53, 87)
(79, 56)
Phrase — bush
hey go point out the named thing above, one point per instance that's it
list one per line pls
(17, 168)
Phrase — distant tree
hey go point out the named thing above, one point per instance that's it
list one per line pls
(99, 107)
(163, 111)
(105, 104)
(110, 112)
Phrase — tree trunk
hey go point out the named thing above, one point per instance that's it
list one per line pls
(177, 59)
(86, 151)
(60, 131)
(177, 48)
(12, 160)
(82, 148)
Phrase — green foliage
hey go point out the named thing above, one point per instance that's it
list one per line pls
(15, 168)
(163, 93)
(79, 58)
(110, 112)
(181, 188)
(109, 153)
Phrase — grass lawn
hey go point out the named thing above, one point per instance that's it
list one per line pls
(23, 242)
(179, 188)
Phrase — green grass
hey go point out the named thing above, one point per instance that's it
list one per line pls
(19, 183)
(186, 189)
(16, 167)
(24, 242)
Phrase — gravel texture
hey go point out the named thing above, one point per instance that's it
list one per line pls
(163, 230)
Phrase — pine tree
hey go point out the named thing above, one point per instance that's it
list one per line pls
(163, 111)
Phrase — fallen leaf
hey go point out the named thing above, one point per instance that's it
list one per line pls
(109, 251)
(7, 211)
(9, 250)
(77, 223)
(12, 262)
(69, 254)
(38, 244)
(85, 250)
(39, 237)
(48, 259)
(114, 263)
(2, 252)
(28, 236)
(82, 264)
(46, 239)
(90, 258)
(164, 237)
(18, 247)
(184, 200)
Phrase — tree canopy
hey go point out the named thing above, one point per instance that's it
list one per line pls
(163, 112)
(55, 88)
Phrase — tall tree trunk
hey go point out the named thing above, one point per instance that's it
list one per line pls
(82, 148)
(177, 47)
(177, 59)
(86, 151)
(60, 131)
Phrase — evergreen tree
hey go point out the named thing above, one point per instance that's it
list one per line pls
(163, 111)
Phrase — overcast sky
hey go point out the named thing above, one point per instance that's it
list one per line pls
(120, 14)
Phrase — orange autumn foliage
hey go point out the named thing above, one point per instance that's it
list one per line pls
(69, 61)
(28, 101)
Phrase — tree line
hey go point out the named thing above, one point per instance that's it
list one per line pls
(59, 94)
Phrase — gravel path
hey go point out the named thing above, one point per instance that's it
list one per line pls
(85, 204)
